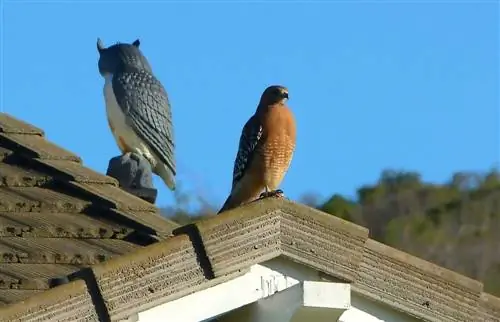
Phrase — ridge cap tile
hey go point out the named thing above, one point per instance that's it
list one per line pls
(489, 307)
(429, 268)
(296, 209)
(46, 305)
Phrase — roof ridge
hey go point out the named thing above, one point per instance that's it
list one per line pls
(268, 228)
(225, 246)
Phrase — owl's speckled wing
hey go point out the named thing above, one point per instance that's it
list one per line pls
(145, 104)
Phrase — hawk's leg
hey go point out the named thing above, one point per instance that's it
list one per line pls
(134, 175)
(278, 193)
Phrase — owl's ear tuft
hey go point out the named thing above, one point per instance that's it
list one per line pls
(136, 43)
(100, 45)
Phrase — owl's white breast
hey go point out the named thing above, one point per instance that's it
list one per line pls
(117, 120)
(113, 111)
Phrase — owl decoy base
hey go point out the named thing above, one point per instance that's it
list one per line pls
(134, 174)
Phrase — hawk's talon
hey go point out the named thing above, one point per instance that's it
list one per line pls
(274, 193)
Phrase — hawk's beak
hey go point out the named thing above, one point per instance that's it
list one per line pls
(285, 95)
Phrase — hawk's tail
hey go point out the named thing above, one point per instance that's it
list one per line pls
(228, 204)
(166, 174)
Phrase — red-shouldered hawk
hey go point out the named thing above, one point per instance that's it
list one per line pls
(266, 148)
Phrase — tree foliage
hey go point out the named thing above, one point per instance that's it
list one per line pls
(454, 224)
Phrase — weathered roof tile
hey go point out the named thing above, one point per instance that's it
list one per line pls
(31, 276)
(237, 239)
(34, 146)
(162, 226)
(116, 198)
(75, 172)
(8, 296)
(490, 308)
(69, 302)
(12, 176)
(416, 286)
(38, 199)
(331, 244)
(160, 273)
(61, 250)
(58, 225)
(11, 125)
(4, 153)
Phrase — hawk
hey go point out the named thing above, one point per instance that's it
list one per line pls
(266, 148)
(137, 107)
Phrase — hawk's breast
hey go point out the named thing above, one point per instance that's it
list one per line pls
(279, 146)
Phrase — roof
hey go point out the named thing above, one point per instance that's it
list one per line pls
(216, 249)
(57, 216)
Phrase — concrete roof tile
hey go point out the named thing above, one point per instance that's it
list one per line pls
(415, 286)
(11, 125)
(14, 176)
(75, 172)
(159, 273)
(61, 250)
(69, 302)
(489, 308)
(39, 199)
(31, 276)
(58, 225)
(116, 198)
(35, 146)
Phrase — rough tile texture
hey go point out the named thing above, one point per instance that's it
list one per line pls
(416, 286)
(489, 308)
(322, 241)
(255, 234)
(68, 303)
(229, 243)
(57, 216)
(157, 274)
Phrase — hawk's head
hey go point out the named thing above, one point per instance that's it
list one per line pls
(274, 94)
(120, 55)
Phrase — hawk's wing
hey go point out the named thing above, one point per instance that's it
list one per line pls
(145, 104)
(250, 136)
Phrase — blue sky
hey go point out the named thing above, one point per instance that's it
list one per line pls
(373, 85)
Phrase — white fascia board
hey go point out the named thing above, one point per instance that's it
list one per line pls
(259, 283)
